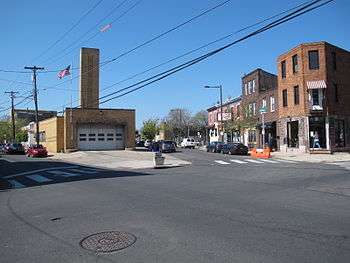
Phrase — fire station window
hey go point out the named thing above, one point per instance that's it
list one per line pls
(283, 69)
(110, 134)
(285, 98)
(296, 95)
(82, 139)
(118, 134)
(82, 135)
(295, 63)
(92, 134)
(313, 59)
(92, 139)
(101, 139)
(109, 139)
(101, 134)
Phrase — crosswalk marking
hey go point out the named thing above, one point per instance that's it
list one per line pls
(38, 178)
(16, 184)
(64, 174)
(268, 161)
(221, 162)
(252, 161)
(238, 161)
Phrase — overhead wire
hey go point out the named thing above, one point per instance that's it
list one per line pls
(194, 50)
(192, 62)
(69, 30)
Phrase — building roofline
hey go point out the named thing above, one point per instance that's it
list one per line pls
(256, 70)
(309, 44)
(234, 100)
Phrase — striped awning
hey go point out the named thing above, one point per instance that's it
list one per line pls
(317, 84)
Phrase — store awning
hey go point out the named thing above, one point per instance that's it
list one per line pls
(317, 84)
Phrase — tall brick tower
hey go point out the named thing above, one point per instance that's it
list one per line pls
(89, 78)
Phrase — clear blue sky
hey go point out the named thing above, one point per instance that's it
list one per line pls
(29, 27)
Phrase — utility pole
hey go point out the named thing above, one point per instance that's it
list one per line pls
(35, 95)
(12, 96)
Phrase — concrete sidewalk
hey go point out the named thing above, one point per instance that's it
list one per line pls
(313, 158)
(117, 159)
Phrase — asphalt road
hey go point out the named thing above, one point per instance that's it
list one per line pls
(219, 209)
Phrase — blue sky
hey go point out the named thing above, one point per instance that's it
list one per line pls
(29, 28)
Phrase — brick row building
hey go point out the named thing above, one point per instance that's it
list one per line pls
(305, 106)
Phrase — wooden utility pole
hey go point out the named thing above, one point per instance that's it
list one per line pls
(35, 94)
(12, 96)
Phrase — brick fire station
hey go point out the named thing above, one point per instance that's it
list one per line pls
(89, 127)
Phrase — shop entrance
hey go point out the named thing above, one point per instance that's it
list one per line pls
(317, 132)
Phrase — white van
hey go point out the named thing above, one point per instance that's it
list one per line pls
(188, 143)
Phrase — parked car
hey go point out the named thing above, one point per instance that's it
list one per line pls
(140, 144)
(234, 148)
(154, 146)
(214, 147)
(167, 146)
(188, 143)
(12, 148)
(147, 143)
(2, 147)
(36, 151)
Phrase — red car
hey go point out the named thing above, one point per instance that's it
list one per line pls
(37, 151)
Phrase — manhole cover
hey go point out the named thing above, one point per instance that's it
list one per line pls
(108, 241)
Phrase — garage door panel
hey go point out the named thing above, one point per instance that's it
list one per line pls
(99, 137)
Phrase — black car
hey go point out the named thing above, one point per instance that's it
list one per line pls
(140, 144)
(167, 146)
(214, 147)
(12, 148)
(234, 148)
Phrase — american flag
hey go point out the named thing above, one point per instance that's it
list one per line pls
(64, 72)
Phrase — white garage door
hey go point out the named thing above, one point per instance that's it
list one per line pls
(100, 137)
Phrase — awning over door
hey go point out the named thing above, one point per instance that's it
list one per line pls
(317, 84)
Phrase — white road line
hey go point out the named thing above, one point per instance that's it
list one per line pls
(63, 174)
(221, 162)
(268, 161)
(238, 161)
(84, 170)
(252, 161)
(38, 178)
(39, 170)
(286, 161)
(16, 184)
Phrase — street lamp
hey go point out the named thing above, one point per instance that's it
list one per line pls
(221, 119)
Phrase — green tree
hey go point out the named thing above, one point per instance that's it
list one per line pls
(150, 129)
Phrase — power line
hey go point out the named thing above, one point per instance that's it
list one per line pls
(86, 33)
(201, 47)
(69, 30)
(176, 69)
(152, 39)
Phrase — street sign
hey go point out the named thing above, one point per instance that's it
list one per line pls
(263, 110)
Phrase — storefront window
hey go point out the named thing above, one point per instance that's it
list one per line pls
(293, 134)
(339, 133)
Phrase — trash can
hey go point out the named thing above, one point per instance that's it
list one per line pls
(158, 159)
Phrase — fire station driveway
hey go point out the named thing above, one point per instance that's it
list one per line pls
(139, 159)
(205, 212)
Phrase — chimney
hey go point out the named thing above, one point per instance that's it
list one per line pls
(89, 77)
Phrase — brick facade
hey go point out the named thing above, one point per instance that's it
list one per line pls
(321, 109)
(258, 86)
(230, 112)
